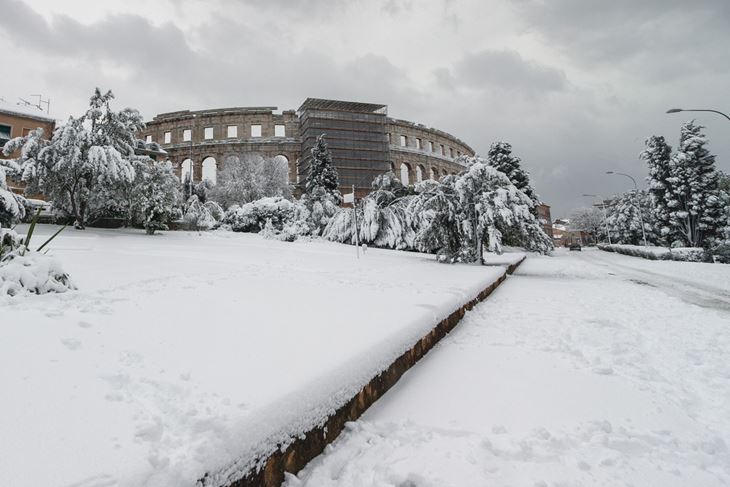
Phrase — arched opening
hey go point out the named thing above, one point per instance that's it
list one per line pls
(419, 173)
(444, 172)
(210, 169)
(404, 174)
(186, 169)
(392, 168)
(231, 160)
(283, 161)
(433, 174)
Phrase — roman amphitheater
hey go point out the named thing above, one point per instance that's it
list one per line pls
(363, 140)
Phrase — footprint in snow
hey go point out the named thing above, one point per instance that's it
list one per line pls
(71, 343)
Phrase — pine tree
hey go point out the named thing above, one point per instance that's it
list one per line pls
(322, 171)
(694, 203)
(322, 195)
(624, 221)
(500, 157)
(658, 156)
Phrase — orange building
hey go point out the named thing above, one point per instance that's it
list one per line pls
(18, 121)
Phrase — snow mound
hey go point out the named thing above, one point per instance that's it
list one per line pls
(32, 272)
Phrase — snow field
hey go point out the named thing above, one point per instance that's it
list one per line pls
(579, 370)
(187, 353)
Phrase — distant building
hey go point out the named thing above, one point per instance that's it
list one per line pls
(563, 235)
(543, 215)
(363, 140)
(19, 121)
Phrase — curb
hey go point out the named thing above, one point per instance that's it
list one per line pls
(305, 448)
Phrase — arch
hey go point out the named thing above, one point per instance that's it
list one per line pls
(186, 168)
(284, 161)
(210, 169)
(231, 160)
(405, 174)
(444, 172)
(420, 171)
(433, 173)
(392, 167)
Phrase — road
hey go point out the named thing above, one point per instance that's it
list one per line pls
(585, 368)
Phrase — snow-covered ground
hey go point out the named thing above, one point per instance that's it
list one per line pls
(181, 353)
(586, 368)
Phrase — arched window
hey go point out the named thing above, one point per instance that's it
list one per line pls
(404, 176)
(185, 169)
(419, 173)
(433, 174)
(210, 169)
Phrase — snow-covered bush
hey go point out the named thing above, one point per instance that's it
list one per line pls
(201, 216)
(32, 272)
(289, 232)
(683, 254)
(12, 207)
(253, 217)
(24, 271)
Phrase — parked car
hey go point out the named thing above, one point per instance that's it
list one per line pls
(575, 246)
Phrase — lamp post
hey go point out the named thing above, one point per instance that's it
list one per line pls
(677, 110)
(605, 217)
(636, 202)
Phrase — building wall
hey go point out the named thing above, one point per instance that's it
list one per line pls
(20, 126)
(220, 147)
(543, 214)
(361, 149)
(433, 164)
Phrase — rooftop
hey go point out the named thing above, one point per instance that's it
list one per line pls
(342, 106)
(22, 110)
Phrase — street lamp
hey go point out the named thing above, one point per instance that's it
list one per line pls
(677, 110)
(636, 202)
(605, 217)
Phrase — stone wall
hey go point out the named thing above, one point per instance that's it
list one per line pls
(304, 449)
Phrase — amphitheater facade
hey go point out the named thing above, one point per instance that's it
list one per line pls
(363, 139)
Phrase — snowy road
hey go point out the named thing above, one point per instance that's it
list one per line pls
(583, 369)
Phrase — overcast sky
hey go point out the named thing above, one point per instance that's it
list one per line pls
(575, 85)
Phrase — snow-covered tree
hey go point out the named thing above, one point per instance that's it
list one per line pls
(589, 220)
(724, 187)
(383, 217)
(157, 195)
(251, 178)
(436, 216)
(695, 211)
(658, 156)
(321, 194)
(11, 208)
(322, 171)
(492, 208)
(624, 220)
(500, 157)
(84, 160)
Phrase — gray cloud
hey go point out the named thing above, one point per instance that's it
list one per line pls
(658, 39)
(507, 70)
(581, 102)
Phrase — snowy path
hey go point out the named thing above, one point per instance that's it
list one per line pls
(582, 369)
(182, 354)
